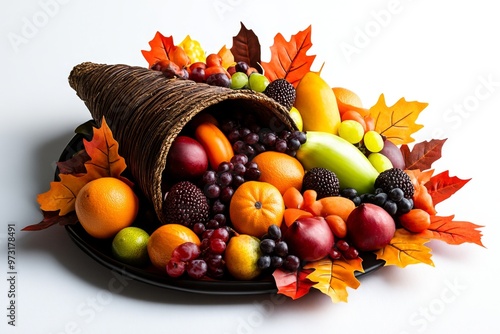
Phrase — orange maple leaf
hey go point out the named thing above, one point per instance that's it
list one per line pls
(453, 232)
(289, 59)
(161, 48)
(104, 161)
(397, 123)
(404, 249)
(334, 277)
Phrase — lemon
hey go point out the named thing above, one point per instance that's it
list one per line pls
(130, 246)
(297, 118)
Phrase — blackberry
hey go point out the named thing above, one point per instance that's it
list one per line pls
(282, 92)
(186, 204)
(323, 181)
(395, 178)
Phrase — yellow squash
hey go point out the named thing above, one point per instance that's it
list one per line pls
(317, 104)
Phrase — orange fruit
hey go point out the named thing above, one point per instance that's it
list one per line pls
(254, 206)
(165, 239)
(348, 100)
(280, 170)
(106, 205)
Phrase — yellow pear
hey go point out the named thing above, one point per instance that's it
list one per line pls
(317, 104)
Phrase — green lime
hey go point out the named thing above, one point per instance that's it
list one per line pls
(130, 246)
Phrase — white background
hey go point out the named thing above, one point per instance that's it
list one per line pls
(443, 54)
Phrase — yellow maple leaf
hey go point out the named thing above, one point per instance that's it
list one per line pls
(334, 277)
(397, 123)
(404, 249)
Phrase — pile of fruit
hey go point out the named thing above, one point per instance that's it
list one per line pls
(247, 199)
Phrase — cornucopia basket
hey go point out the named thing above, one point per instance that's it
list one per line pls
(146, 111)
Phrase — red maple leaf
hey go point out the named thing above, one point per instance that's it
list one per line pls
(293, 284)
(442, 186)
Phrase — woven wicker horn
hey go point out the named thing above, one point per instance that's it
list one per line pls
(146, 112)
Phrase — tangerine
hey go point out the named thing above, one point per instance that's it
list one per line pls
(165, 239)
(348, 100)
(280, 169)
(254, 207)
(106, 205)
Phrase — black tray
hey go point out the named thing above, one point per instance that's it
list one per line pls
(100, 250)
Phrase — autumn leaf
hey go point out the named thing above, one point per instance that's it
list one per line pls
(52, 218)
(161, 48)
(104, 161)
(453, 232)
(226, 56)
(334, 277)
(397, 123)
(103, 151)
(423, 154)
(75, 165)
(293, 284)
(404, 249)
(246, 47)
(442, 186)
(289, 59)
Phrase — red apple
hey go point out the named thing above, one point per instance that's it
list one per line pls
(186, 159)
(370, 227)
(310, 238)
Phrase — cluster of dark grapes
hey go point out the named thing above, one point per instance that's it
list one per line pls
(204, 260)
(275, 252)
(342, 248)
(219, 186)
(393, 201)
(251, 139)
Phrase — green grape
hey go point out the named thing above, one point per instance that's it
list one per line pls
(258, 82)
(380, 162)
(239, 80)
(373, 141)
(351, 130)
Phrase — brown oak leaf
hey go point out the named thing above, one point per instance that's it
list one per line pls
(423, 154)
(246, 47)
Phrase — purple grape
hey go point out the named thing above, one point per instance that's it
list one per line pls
(175, 268)
(212, 191)
(186, 252)
(225, 179)
(218, 79)
(196, 269)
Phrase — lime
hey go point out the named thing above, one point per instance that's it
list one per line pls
(130, 246)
